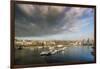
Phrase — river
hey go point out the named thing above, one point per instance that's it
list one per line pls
(31, 55)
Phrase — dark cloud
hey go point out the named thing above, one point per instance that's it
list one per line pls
(38, 20)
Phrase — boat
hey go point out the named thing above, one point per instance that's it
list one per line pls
(45, 53)
(63, 48)
(39, 47)
(55, 51)
(52, 51)
(59, 50)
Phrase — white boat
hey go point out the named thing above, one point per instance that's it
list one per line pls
(51, 48)
(55, 51)
(59, 45)
(63, 48)
(52, 51)
(39, 47)
(45, 53)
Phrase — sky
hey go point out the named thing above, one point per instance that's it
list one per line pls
(46, 22)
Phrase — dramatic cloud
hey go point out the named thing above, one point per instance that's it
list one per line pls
(41, 20)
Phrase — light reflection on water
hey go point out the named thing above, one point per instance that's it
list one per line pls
(31, 55)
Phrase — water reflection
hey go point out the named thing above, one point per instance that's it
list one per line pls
(67, 54)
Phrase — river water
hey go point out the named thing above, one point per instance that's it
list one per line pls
(31, 55)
